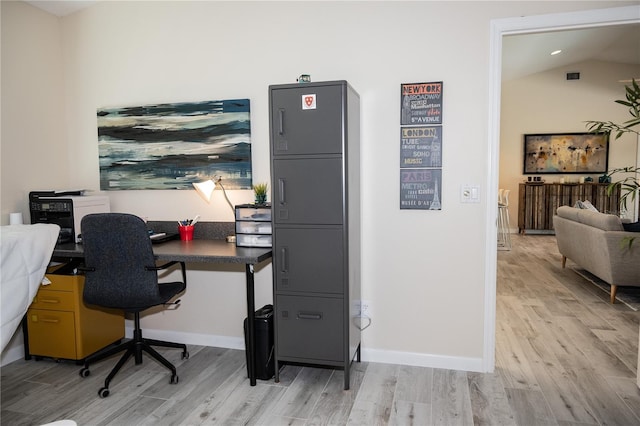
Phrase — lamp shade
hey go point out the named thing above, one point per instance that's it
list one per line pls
(205, 189)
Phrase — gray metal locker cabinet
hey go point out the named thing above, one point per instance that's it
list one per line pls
(315, 177)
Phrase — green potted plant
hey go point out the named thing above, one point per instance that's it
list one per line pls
(260, 192)
(629, 185)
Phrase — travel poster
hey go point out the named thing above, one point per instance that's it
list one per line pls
(421, 146)
(420, 189)
(421, 103)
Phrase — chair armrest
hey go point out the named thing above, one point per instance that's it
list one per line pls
(168, 265)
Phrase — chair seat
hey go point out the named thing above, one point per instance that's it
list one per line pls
(167, 291)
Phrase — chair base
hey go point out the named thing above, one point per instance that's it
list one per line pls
(133, 347)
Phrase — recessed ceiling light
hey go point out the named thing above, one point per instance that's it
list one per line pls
(556, 52)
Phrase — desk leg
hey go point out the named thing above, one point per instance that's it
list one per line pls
(251, 313)
(25, 336)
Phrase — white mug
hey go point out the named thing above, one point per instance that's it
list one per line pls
(15, 218)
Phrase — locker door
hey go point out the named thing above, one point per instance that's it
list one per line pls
(307, 191)
(309, 260)
(301, 128)
(310, 328)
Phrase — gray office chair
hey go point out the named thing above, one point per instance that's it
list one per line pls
(121, 273)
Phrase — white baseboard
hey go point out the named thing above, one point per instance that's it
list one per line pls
(190, 338)
(422, 360)
(367, 355)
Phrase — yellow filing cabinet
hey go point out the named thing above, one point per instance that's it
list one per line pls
(60, 325)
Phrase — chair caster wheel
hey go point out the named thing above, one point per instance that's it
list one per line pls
(103, 392)
(84, 372)
(185, 355)
(174, 379)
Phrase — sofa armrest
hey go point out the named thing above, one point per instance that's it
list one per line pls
(624, 257)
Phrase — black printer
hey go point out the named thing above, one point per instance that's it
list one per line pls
(66, 209)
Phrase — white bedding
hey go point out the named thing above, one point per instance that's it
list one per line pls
(25, 253)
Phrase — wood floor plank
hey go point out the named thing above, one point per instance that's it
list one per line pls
(489, 402)
(530, 407)
(100, 410)
(561, 395)
(451, 401)
(516, 372)
(628, 391)
(415, 384)
(407, 413)
(132, 413)
(202, 379)
(374, 402)
(334, 405)
(301, 396)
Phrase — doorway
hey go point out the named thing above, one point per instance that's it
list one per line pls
(499, 29)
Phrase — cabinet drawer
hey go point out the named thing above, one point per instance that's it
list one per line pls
(310, 328)
(62, 282)
(253, 228)
(53, 300)
(252, 240)
(51, 333)
(309, 260)
(262, 214)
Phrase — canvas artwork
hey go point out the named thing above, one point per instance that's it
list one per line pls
(566, 153)
(170, 146)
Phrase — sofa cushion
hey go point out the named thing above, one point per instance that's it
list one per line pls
(606, 222)
(585, 205)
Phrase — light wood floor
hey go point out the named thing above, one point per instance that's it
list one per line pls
(564, 356)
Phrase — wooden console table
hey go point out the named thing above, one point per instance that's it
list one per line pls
(537, 202)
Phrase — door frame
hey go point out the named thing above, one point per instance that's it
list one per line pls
(499, 28)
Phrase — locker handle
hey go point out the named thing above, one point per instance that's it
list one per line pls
(281, 191)
(310, 315)
(281, 122)
(285, 260)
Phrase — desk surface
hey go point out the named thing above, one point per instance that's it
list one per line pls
(214, 251)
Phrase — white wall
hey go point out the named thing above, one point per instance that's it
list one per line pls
(34, 146)
(423, 271)
(548, 103)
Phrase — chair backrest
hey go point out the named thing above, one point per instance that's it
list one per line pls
(505, 197)
(117, 252)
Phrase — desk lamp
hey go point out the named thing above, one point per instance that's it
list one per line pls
(205, 190)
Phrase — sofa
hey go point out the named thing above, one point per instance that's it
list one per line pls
(598, 243)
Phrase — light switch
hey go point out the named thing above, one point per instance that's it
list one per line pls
(470, 194)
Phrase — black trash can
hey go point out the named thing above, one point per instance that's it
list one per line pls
(263, 326)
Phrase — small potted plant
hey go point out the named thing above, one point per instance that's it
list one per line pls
(260, 191)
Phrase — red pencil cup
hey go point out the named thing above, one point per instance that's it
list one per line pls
(186, 232)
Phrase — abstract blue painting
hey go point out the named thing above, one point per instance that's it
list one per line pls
(170, 146)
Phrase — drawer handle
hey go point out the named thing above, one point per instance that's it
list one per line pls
(310, 315)
(281, 190)
(50, 300)
(51, 320)
(285, 260)
(281, 122)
